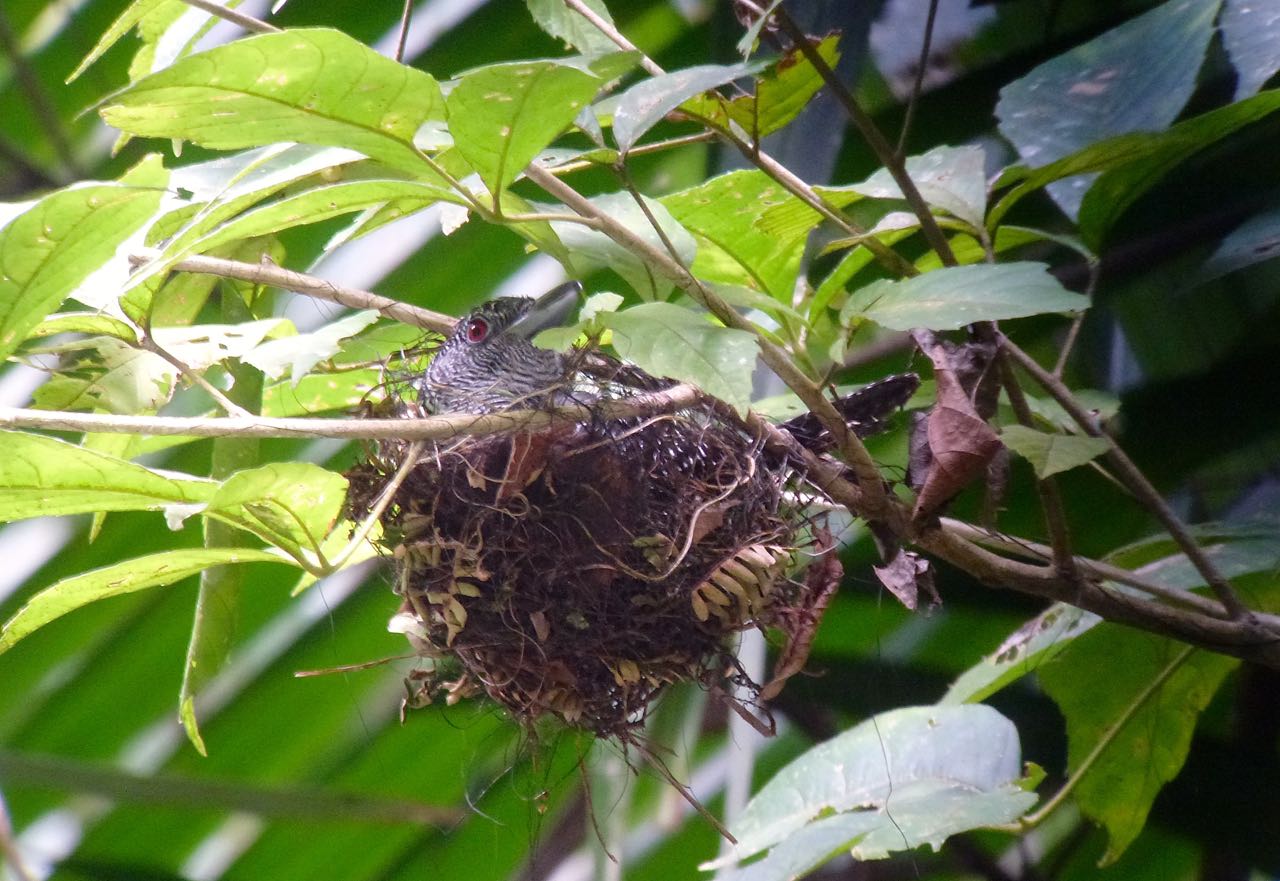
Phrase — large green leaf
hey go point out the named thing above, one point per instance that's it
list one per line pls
(1131, 701)
(313, 86)
(43, 476)
(906, 778)
(50, 248)
(725, 213)
(951, 178)
(502, 115)
(672, 341)
(290, 504)
(950, 298)
(153, 570)
(1135, 77)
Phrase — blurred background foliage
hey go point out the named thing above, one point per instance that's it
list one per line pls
(318, 777)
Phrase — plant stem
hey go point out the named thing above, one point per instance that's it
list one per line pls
(248, 22)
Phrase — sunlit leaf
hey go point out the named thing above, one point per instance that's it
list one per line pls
(154, 570)
(502, 115)
(314, 86)
(292, 504)
(48, 250)
(557, 19)
(43, 476)
(298, 354)
(643, 105)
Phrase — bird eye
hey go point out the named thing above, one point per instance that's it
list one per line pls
(477, 330)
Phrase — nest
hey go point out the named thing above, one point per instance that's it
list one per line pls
(578, 570)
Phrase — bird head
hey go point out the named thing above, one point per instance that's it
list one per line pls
(489, 363)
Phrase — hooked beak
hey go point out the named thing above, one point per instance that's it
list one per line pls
(552, 309)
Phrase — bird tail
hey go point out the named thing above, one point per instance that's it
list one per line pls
(865, 411)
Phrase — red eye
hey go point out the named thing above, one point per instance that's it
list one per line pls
(477, 330)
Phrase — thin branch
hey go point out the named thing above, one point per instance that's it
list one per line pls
(875, 139)
(310, 285)
(1050, 498)
(1253, 637)
(248, 22)
(1073, 333)
(613, 34)
(1094, 568)
(638, 150)
(405, 18)
(443, 427)
(1133, 478)
(922, 65)
(230, 407)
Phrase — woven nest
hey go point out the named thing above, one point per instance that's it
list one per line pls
(578, 570)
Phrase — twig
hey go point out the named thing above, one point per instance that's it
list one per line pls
(428, 428)
(248, 22)
(613, 34)
(921, 66)
(312, 286)
(405, 17)
(1133, 478)
(46, 114)
(875, 139)
(1252, 638)
(1050, 499)
(638, 150)
(1095, 270)
(1095, 568)
(231, 408)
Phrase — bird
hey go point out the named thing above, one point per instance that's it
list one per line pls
(489, 364)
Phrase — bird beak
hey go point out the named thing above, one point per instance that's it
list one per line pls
(552, 309)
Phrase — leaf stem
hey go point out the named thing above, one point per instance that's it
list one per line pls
(235, 16)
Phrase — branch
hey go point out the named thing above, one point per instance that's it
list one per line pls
(248, 22)
(443, 427)
(879, 145)
(1133, 478)
(311, 286)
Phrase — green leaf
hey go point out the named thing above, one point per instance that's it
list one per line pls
(644, 105)
(951, 178)
(48, 250)
(907, 777)
(950, 298)
(724, 213)
(502, 115)
(561, 22)
(597, 248)
(313, 86)
(47, 477)
(153, 570)
(1052, 453)
(780, 94)
(1135, 77)
(84, 322)
(290, 504)
(1131, 701)
(320, 392)
(667, 340)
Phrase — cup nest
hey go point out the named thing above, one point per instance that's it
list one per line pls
(577, 570)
